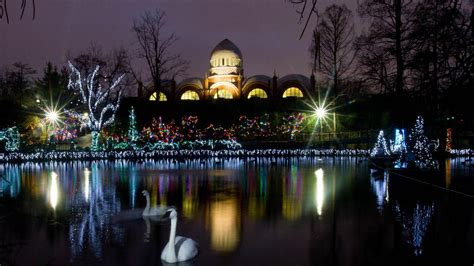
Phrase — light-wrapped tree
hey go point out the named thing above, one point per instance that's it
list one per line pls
(101, 97)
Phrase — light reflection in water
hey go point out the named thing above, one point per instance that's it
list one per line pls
(90, 220)
(54, 191)
(87, 189)
(414, 224)
(10, 181)
(225, 225)
(379, 184)
(319, 193)
(292, 195)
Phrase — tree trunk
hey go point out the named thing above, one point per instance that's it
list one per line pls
(95, 141)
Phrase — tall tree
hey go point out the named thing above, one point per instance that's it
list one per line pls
(51, 89)
(336, 35)
(390, 24)
(16, 80)
(155, 47)
(441, 66)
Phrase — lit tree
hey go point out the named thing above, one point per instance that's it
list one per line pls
(380, 148)
(101, 97)
(420, 145)
(132, 127)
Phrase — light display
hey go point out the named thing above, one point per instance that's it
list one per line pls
(399, 143)
(96, 96)
(132, 128)
(420, 146)
(449, 139)
(12, 137)
(179, 153)
(380, 148)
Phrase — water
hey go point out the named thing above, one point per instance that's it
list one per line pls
(264, 212)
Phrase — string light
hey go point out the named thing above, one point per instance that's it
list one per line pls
(420, 146)
(380, 148)
(95, 97)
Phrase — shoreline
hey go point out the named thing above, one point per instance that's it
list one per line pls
(41, 156)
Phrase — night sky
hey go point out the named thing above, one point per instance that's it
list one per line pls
(266, 31)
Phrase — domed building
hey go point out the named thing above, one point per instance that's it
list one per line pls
(225, 80)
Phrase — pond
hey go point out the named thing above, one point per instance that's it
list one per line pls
(329, 211)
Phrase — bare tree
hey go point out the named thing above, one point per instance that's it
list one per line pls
(306, 9)
(390, 24)
(155, 47)
(334, 40)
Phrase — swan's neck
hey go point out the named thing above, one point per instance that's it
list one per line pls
(147, 207)
(172, 245)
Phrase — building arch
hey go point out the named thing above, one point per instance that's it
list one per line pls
(256, 82)
(159, 96)
(293, 92)
(225, 89)
(190, 95)
(293, 82)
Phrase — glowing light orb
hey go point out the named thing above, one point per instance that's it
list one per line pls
(52, 116)
(321, 112)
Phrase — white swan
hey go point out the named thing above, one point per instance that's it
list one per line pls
(178, 248)
(155, 211)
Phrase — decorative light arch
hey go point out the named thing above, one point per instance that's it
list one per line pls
(161, 97)
(257, 93)
(293, 92)
(190, 95)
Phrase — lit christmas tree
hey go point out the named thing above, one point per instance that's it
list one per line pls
(420, 146)
(380, 148)
(132, 128)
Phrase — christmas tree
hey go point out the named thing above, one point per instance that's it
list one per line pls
(132, 127)
(380, 148)
(420, 146)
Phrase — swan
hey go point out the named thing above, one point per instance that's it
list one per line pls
(155, 211)
(178, 248)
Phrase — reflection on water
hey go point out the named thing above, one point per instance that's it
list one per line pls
(91, 211)
(414, 223)
(225, 224)
(239, 208)
(379, 181)
(319, 193)
(292, 194)
(54, 190)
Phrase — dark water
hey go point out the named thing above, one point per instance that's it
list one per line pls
(256, 213)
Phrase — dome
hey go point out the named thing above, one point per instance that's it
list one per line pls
(227, 46)
(226, 54)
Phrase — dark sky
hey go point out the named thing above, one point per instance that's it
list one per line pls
(266, 31)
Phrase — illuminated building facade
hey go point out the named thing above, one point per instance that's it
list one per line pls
(225, 80)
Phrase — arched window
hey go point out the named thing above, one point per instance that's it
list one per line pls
(293, 92)
(190, 96)
(257, 93)
(223, 94)
(161, 98)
